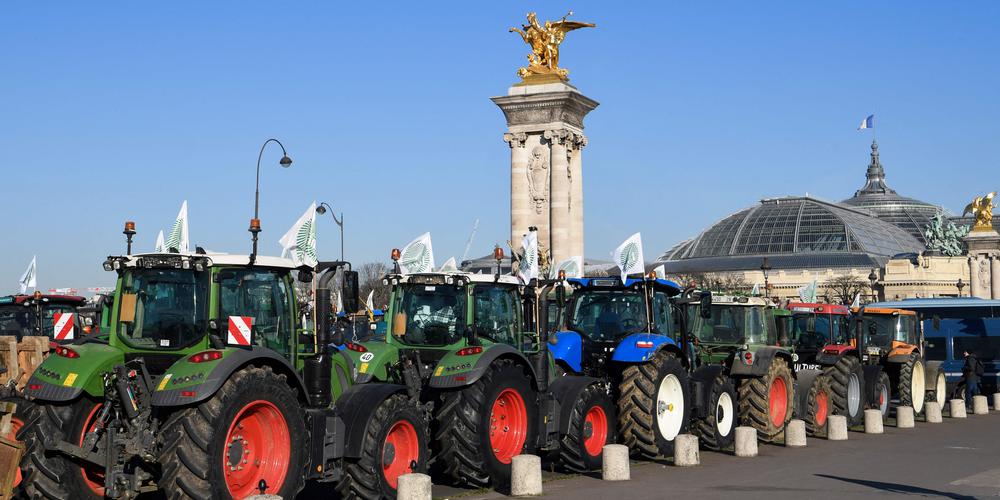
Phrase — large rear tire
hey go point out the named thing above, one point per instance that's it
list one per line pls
(717, 430)
(483, 426)
(912, 384)
(591, 426)
(395, 443)
(85, 480)
(847, 386)
(41, 473)
(654, 405)
(939, 393)
(251, 429)
(820, 405)
(766, 402)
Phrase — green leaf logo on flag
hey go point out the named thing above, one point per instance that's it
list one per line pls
(305, 242)
(629, 256)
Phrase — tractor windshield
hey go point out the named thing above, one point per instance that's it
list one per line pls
(608, 315)
(428, 314)
(811, 330)
(880, 330)
(163, 308)
(731, 325)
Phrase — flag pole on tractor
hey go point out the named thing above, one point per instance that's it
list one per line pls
(629, 257)
(30, 276)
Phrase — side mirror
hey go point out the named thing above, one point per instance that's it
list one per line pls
(706, 305)
(349, 292)
(305, 276)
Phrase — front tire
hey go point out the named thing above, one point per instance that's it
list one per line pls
(654, 405)
(591, 426)
(395, 443)
(766, 402)
(716, 431)
(882, 394)
(820, 404)
(912, 384)
(251, 429)
(847, 389)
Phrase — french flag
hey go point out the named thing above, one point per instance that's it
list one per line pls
(867, 122)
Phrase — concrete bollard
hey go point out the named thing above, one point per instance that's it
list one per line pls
(836, 428)
(614, 466)
(526, 476)
(873, 422)
(686, 450)
(795, 434)
(957, 408)
(932, 412)
(980, 405)
(904, 417)
(746, 442)
(414, 487)
(264, 497)
(996, 402)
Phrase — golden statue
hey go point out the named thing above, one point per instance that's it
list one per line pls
(543, 61)
(982, 209)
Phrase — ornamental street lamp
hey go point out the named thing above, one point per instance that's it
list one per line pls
(321, 209)
(960, 284)
(873, 279)
(285, 162)
(765, 266)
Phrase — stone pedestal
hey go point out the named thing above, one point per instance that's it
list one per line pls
(545, 134)
(984, 264)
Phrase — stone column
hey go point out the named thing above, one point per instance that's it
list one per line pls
(975, 290)
(576, 195)
(520, 202)
(995, 258)
(559, 220)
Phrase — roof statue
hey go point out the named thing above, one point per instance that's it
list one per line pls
(982, 209)
(944, 236)
(544, 39)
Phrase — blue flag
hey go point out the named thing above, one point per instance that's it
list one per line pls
(867, 122)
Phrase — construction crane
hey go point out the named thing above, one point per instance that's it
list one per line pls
(468, 244)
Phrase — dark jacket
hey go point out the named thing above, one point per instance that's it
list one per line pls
(969, 369)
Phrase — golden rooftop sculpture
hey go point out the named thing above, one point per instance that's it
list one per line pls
(544, 40)
(982, 209)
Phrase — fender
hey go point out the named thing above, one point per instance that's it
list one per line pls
(355, 407)
(568, 349)
(831, 354)
(566, 391)
(374, 363)
(60, 379)
(452, 371)
(629, 350)
(762, 359)
(898, 358)
(701, 383)
(931, 369)
(184, 378)
(803, 383)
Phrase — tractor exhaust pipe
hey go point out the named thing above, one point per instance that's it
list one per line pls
(317, 369)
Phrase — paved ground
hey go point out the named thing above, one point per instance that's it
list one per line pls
(956, 459)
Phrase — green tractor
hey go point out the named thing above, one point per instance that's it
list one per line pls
(740, 334)
(471, 345)
(207, 385)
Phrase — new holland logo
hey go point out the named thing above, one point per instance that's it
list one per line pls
(240, 331)
(63, 329)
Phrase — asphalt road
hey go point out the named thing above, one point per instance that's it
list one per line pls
(956, 459)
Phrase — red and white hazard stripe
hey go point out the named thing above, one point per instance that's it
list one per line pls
(63, 329)
(240, 330)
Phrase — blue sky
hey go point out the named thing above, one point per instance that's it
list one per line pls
(116, 111)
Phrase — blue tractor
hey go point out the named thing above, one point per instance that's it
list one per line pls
(627, 335)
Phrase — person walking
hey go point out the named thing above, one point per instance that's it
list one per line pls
(971, 372)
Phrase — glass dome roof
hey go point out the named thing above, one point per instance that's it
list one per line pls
(794, 232)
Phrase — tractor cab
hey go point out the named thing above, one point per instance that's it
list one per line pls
(888, 332)
(732, 324)
(52, 316)
(890, 342)
(813, 328)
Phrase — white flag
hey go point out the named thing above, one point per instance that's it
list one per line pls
(299, 243)
(527, 268)
(160, 245)
(340, 303)
(449, 266)
(661, 272)
(370, 303)
(857, 301)
(807, 293)
(573, 267)
(628, 256)
(417, 256)
(756, 290)
(178, 237)
(30, 276)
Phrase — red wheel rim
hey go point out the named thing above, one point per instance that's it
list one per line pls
(595, 431)
(778, 402)
(93, 476)
(257, 446)
(822, 407)
(508, 425)
(399, 452)
(15, 426)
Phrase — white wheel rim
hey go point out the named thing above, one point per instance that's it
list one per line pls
(853, 395)
(918, 386)
(724, 417)
(669, 407)
(883, 399)
(941, 387)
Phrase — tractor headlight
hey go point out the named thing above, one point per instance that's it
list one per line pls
(108, 266)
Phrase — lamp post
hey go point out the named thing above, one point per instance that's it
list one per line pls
(285, 162)
(873, 279)
(765, 266)
(960, 285)
(321, 209)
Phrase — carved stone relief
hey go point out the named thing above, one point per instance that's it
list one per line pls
(538, 177)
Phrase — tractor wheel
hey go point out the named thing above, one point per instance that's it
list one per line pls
(820, 405)
(716, 431)
(939, 393)
(482, 427)
(847, 389)
(882, 394)
(591, 426)
(395, 443)
(40, 475)
(85, 480)
(654, 405)
(912, 385)
(766, 402)
(251, 430)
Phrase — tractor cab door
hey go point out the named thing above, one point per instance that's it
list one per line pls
(266, 296)
(497, 314)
